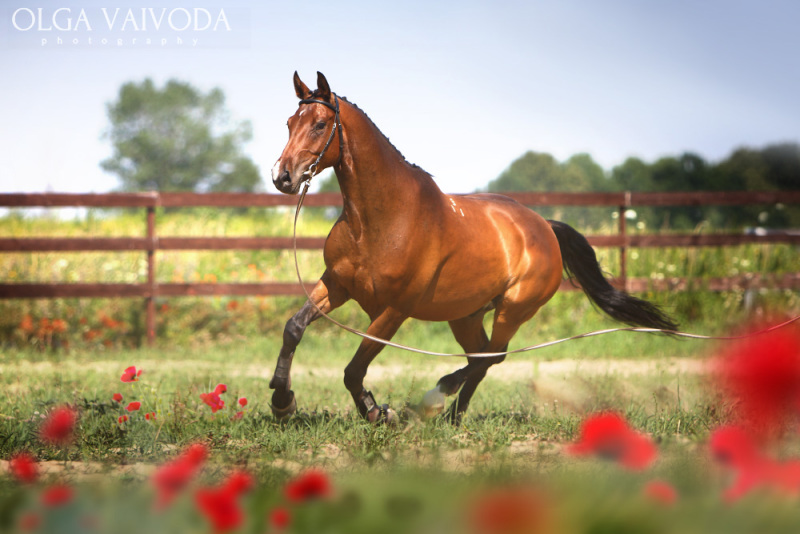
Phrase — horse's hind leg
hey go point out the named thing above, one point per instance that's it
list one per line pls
(506, 324)
(471, 335)
(326, 297)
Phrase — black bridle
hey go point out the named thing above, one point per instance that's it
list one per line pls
(337, 125)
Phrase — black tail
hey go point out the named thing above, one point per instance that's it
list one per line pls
(580, 263)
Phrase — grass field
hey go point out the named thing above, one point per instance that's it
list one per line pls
(514, 439)
(505, 469)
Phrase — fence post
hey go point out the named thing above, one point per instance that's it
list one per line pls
(150, 301)
(623, 263)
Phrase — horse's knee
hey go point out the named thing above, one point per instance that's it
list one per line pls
(293, 332)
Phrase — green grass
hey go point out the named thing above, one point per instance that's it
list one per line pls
(514, 435)
(421, 476)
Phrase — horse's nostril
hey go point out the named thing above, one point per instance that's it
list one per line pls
(285, 178)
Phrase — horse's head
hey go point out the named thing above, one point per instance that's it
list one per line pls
(311, 131)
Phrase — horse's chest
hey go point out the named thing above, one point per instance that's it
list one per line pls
(374, 274)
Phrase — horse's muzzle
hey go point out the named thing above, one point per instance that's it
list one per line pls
(283, 183)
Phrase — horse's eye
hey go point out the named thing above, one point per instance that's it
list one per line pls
(320, 125)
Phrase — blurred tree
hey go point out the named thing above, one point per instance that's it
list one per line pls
(633, 175)
(533, 171)
(177, 139)
(328, 183)
(536, 171)
(773, 168)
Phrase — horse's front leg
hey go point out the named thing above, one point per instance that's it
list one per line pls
(384, 326)
(326, 296)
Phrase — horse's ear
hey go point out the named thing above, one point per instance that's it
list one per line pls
(323, 89)
(301, 90)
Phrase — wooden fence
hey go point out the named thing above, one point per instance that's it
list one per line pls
(152, 242)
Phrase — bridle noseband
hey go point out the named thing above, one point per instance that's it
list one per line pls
(337, 125)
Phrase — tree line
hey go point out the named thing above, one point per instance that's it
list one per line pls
(178, 138)
(772, 168)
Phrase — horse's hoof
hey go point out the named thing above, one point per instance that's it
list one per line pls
(383, 415)
(287, 411)
(432, 403)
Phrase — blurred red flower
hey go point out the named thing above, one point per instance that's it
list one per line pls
(237, 416)
(26, 325)
(24, 468)
(735, 449)
(57, 429)
(762, 375)
(29, 522)
(122, 418)
(151, 416)
(131, 374)
(280, 518)
(312, 484)
(172, 477)
(608, 435)
(117, 397)
(661, 492)
(57, 495)
(242, 402)
(134, 406)
(220, 508)
(220, 505)
(239, 482)
(213, 400)
(513, 510)
(220, 389)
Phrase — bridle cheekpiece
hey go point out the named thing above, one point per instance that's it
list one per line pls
(337, 125)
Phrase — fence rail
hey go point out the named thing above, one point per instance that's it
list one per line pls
(151, 243)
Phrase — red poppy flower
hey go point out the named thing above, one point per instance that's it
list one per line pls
(117, 397)
(196, 454)
(609, 436)
(24, 468)
(131, 374)
(26, 325)
(309, 485)
(122, 418)
(661, 492)
(57, 429)
(735, 449)
(237, 416)
(509, 511)
(238, 483)
(242, 402)
(150, 416)
(59, 326)
(134, 406)
(57, 495)
(280, 518)
(213, 400)
(220, 389)
(30, 522)
(762, 374)
(220, 507)
(175, 475)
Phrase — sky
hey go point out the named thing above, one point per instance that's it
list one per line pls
(460, 88)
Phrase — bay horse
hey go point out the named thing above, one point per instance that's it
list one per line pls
(402, 249)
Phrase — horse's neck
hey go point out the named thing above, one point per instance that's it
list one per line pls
(377, 184)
